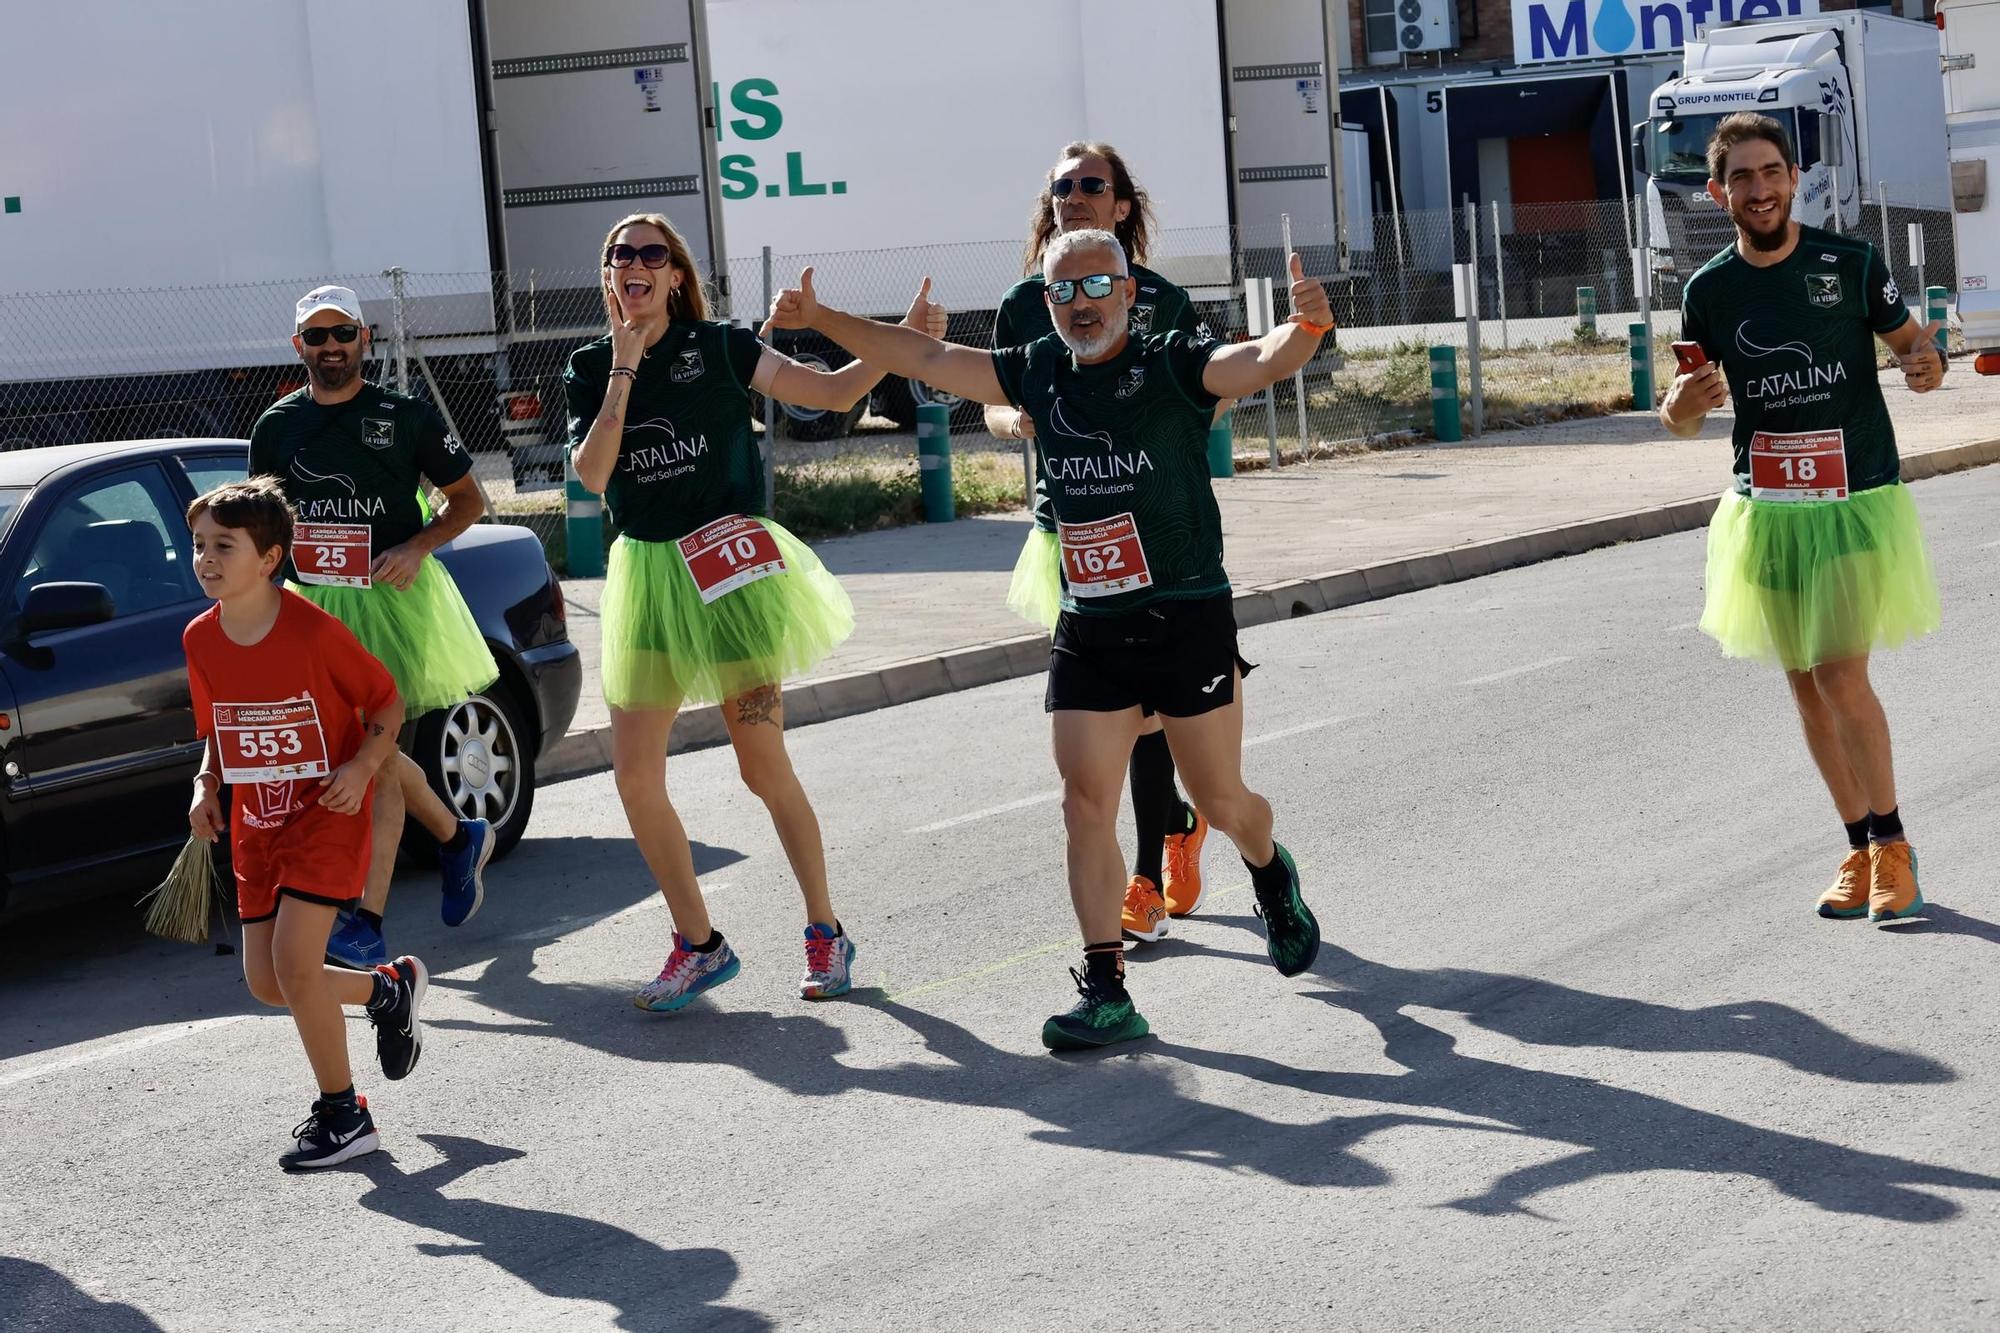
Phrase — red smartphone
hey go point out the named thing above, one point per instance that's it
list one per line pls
(1689, 357)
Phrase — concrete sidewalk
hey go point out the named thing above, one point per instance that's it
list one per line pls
(930, 601)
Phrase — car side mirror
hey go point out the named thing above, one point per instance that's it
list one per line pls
(54, 606)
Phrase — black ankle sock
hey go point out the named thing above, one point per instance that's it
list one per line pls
(1273, 878)
(458, 841)
(1155, 803)
(1885, 828)
(714, 942)
(1857, 833)
(342, 1100)
(384, 994)
(1104, 965)
(374, 919)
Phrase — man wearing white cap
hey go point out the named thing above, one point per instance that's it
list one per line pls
(350, 456)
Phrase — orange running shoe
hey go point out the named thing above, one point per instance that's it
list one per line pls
(1847, 900)
(1892, 882)
(1145, 916)
(1183, 868)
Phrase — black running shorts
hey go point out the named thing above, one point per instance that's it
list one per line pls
(1176, 657)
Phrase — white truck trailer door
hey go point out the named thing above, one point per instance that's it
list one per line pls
(599, 111)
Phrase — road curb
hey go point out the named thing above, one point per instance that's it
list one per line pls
(831, 697)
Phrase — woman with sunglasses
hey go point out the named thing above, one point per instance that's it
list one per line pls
(705, 599)
(1091, 189)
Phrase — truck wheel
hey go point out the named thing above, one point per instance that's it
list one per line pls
(479, 756)
(813, 423)
(965, 413)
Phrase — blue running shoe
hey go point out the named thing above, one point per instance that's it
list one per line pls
(829, 964)
(686, 975)
(464, 888)
(356, 944)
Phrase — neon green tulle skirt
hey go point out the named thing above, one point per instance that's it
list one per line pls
(424, 634)
(1036, 590)
(664, 646)
(1801, 584)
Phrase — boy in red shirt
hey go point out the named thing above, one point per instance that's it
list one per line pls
(298, 718)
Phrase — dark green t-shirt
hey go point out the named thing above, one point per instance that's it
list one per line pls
(1128, 436)
(1796, 341)
(688, 456)
(1157, 307)
(360, 461)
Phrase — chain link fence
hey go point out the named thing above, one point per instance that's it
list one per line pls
(1534, 303)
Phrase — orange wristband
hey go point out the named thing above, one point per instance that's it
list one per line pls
(1317, 330)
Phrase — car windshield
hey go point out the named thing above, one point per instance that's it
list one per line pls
(1680, 144)
(10, 504)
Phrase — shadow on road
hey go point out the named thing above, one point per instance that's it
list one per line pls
(1938, 920)
(558, 1254)
(1137, 1103)
(36, 1297)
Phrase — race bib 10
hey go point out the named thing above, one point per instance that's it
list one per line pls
(333, 555)
(1808, 465)
(270, 742)
(1103, 558)
(728, 554)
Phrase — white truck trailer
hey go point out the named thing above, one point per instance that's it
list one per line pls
(1970, 30)
(1856, 90)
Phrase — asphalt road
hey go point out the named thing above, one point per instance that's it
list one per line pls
(1576, 1054)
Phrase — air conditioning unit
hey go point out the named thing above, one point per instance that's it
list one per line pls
(1426, 25)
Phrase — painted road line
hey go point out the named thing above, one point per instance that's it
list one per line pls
(155, 1037)
(1512, 672)
(1299, 730)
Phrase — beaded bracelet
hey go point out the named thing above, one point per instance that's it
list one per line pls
(626, 371)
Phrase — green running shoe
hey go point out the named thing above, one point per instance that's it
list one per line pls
(1100, 1018)
(1291, 933)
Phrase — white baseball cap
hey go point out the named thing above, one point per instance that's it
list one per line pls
(342, 299)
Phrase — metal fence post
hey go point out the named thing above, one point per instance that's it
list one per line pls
(1472, 317)
(1444, 394)
(1643, 277)
(1586, 311)
(934, 462)
(398, 331)
(770, 409)
(1299, 375)
(1642, 367)
(1882, 207)
(1500, 278)
(1934, 311)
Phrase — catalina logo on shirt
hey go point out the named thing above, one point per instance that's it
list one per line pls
(1088, 467)
(687, 366)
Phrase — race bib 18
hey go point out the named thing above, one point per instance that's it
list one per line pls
(333, 555)
(1103, 558)
(270, 742)
(1808, 465)
(729, 553)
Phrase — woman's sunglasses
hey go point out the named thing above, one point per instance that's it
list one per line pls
(624, 256)
(1090, 185)
(340, 333)
(1097, 286)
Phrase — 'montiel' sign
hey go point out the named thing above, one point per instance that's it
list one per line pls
(1547, 30)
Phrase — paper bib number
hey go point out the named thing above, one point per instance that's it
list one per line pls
(1104, 558)
(1810, 465)
(729, 553)
(333, 555)
(270, 742)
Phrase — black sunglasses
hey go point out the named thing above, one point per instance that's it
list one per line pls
(1090, 185)
(1097, 286)
(340, 333)
(624, 256)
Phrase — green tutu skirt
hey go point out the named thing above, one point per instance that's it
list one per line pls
(1036, 590)
(1798, 584)
(664, 646)
(424, 634)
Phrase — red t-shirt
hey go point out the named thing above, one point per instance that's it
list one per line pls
(285, 712)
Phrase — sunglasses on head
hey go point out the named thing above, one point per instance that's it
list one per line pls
(340, 333)
(1090, 185)
(624, 256)
(1097, 286)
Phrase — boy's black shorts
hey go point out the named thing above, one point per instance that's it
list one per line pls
(1175, 657)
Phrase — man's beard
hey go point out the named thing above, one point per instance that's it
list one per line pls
(333, 378)
(1763, 241)
(1107, 336)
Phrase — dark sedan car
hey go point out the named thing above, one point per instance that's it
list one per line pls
(96, 730)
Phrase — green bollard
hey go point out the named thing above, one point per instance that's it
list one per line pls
(1934, 312)
(1586, 311)
(1444, 394)
(1642, 367)
(1222, 445)
(583, 529)
(934, 462)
